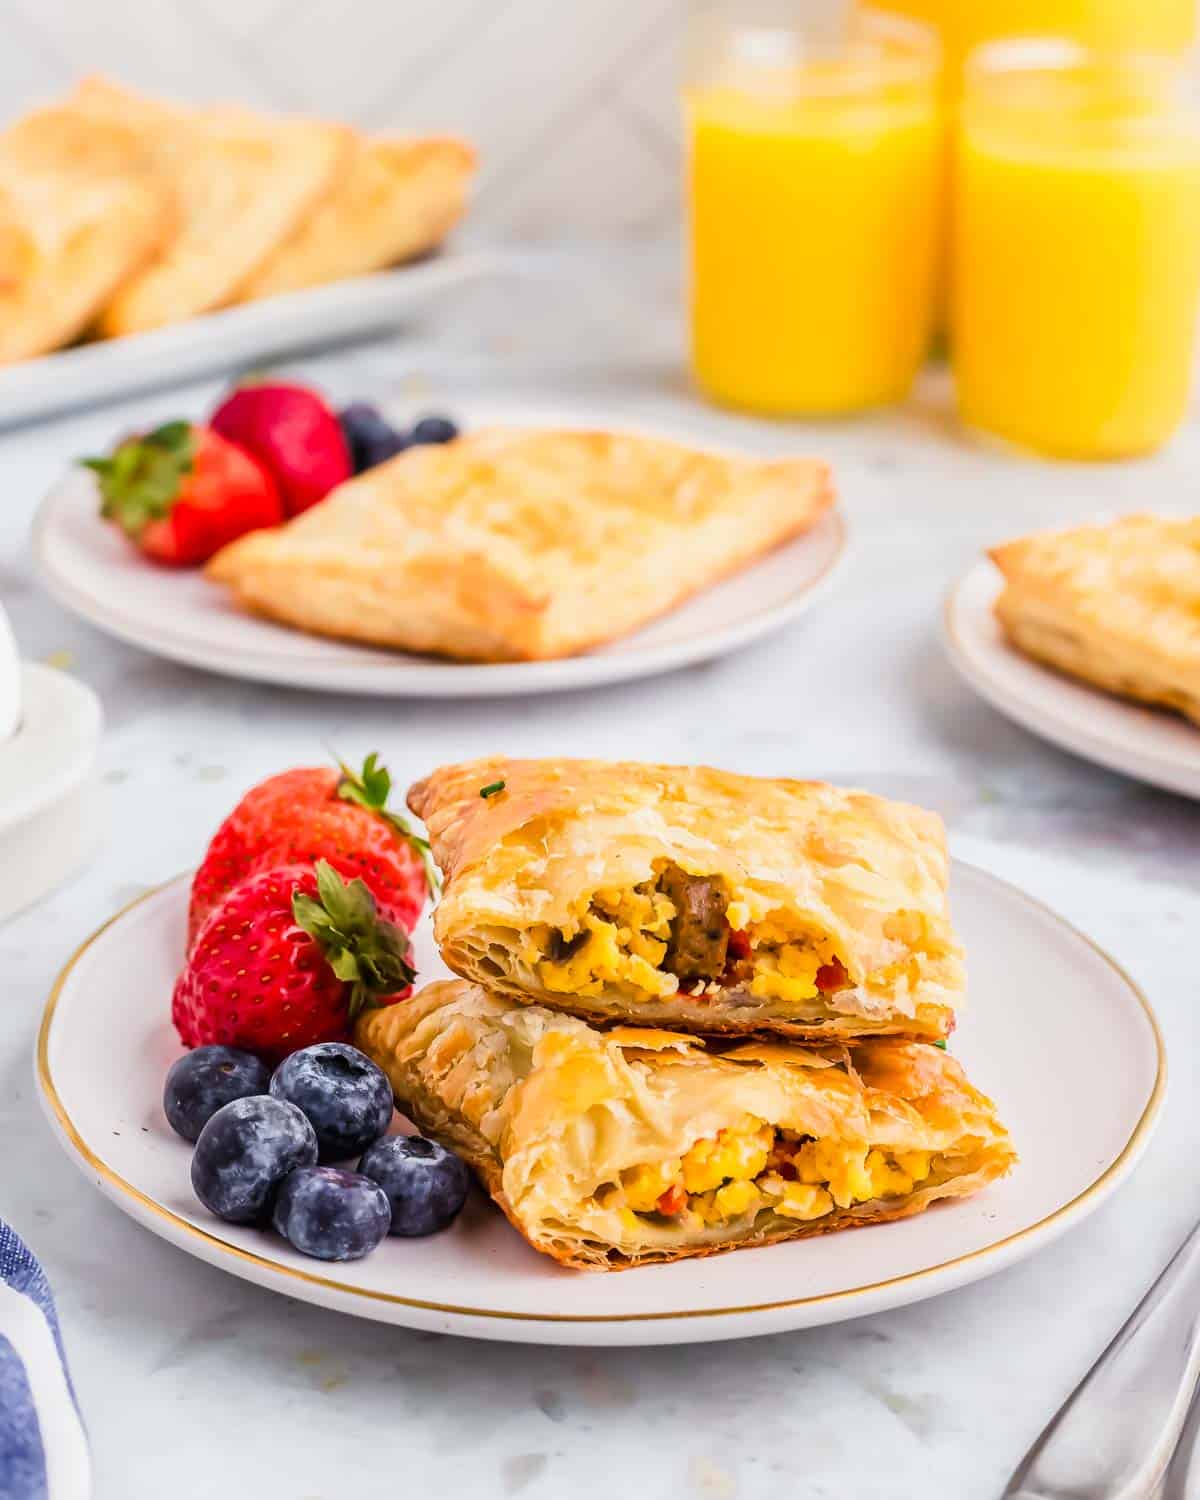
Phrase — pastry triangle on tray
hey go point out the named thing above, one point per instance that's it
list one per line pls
(243, 184)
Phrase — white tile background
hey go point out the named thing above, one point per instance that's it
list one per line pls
(572, 103)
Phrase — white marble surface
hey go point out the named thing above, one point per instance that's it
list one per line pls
(195, 1384)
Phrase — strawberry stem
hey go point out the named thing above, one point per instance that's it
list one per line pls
(362, 948)
(370, 788)
(141, 480)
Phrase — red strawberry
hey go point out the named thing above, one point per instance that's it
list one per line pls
(289, 958)
(320, 813)
(182, 492)
(294, 434)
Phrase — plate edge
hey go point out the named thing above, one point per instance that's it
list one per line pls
(1166, 772)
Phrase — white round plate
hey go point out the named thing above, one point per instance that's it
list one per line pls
(1150, 744)
(88, 566)
(1080, 1120)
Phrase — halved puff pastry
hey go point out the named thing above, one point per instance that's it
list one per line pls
(397, 199)
(1116, 605)
(694, 898)
(612, 1149)
(515, 545)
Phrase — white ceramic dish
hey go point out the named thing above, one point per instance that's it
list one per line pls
(51, 813)
(1153, 746)
(254, 334)
(1080, 1121)
(89, 568)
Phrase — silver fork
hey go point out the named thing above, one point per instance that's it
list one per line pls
(1116, 1434)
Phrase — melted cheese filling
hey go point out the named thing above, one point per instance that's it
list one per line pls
(750, 1167)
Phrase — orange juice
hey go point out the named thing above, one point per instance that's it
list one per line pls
(814, 193)
(1077, 254)
(1137, 25)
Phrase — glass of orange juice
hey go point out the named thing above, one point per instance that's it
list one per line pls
(814, 202)
(1076, 247)
(1133, 25)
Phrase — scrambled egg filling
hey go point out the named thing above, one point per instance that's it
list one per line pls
(751, 1167)
(621, 937)
(624, 937)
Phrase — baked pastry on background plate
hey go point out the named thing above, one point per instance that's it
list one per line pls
(613, 1149)
(694, 898)
(515, 545)
(397, 199)
(1116, 605)
(79, 215)
(243, 184)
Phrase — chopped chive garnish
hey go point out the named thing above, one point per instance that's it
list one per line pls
(493, 789)
(941, 1044)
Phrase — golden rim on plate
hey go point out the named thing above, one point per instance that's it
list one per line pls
(117, 1183)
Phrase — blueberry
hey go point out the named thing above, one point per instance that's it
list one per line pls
(200, 1083)
(331, 1213)
(433, 430)
(345, 1096)
(244, 1153)
(425, 1184)
(370, 437)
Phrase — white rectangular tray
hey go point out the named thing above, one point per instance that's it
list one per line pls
(257, 331)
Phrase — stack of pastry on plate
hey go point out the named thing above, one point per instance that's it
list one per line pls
(697, 1011)
(120, 213)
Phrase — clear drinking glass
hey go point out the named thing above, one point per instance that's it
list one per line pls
(815, 187)
(1076, 247)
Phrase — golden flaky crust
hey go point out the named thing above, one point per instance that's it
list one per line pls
(398, 198)
(862, 874)
(510, 545)
(549, 1111)
(242, 184)
(79, 215)
(1116, 605)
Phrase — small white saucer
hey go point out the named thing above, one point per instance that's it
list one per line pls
(51, 811)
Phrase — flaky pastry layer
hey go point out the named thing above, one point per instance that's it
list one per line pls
(1115, 605)
(694, 898)
(243, 183)
(397, 198)
(757, 1142)
(79, 216)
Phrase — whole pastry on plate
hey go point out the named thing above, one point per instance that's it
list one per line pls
(396, 199)
(612, 1149)
(694, 898)
(79, 216)
(1116, 605)
(511, 544)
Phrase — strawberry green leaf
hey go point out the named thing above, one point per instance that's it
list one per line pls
(370, 788)
(363, 949)
(141, 480)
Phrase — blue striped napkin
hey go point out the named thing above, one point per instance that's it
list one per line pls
(43, 1447)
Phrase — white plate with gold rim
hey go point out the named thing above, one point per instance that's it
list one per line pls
(1149, 744)
(90, 569)
(1080, 1121)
